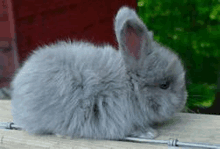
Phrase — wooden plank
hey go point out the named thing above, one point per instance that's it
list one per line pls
(184, 127)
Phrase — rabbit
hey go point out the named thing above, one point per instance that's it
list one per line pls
(82, 90)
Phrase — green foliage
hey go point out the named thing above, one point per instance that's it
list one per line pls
(192, 29)
(215, 13)
(200, 95)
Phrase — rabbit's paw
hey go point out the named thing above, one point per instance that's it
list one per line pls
(148, 134)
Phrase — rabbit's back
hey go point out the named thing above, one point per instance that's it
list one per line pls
(72, 88)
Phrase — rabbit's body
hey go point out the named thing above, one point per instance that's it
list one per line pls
(78, 89)
(73, 89)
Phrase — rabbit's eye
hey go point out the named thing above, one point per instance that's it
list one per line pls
(165, 86)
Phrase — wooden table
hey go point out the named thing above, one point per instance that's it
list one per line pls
(184, 127)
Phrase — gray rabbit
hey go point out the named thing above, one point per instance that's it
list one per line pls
(77, 89)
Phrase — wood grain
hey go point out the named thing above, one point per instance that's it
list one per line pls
(184, 127)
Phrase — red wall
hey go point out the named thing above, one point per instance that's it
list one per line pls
(39, 22)
(8, 49)
(44, 21)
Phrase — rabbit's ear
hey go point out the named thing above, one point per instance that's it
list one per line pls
(131, 33)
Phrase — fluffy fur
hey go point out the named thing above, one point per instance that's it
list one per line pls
(81, 90)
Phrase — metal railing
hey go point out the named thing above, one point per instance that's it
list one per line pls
(170, 142)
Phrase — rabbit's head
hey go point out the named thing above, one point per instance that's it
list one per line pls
(157, 74)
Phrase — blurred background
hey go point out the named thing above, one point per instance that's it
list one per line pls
(191, 28)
